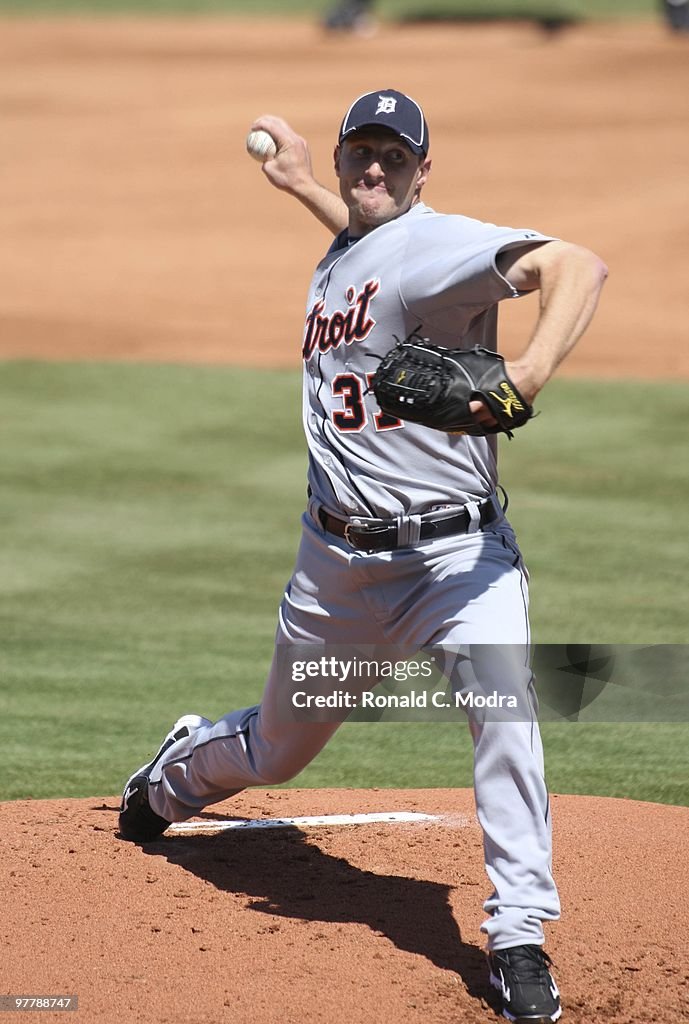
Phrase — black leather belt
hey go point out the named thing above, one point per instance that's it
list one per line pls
(382, 535)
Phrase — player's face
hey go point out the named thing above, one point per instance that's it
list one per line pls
(380, 178)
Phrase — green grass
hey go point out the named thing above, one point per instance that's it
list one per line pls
(391, 9)
(599, 483)
(640, 761)
(150, 519)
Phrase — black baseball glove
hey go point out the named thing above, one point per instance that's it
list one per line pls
(432, 385)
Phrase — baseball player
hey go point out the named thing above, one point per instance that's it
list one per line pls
(404, 539)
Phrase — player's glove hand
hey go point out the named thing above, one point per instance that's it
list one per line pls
(432, 385)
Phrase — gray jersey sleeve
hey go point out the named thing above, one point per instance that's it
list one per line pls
(451, 262)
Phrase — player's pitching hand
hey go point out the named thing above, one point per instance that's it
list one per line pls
(290, 168)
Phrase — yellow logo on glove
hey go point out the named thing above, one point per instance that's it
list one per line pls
(509, 403)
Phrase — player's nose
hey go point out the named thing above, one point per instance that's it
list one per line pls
(375, 170)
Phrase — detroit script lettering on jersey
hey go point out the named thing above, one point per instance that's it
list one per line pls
(326, 332)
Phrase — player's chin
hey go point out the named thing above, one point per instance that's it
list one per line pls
(374, 211)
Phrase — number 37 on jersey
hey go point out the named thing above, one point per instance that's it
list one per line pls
(323, 333)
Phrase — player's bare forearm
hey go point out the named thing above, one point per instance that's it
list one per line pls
(325, 206)
(290, 171)
(569, 279)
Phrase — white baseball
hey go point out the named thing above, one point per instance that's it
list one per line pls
(260, 145)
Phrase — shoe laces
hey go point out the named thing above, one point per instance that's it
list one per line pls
(532, 962)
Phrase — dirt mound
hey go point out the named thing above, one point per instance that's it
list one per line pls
(375, 922)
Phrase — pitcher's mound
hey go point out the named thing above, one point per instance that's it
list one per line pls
(356, 923)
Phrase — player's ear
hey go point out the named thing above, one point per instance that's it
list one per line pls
(422, 176)
(336, 159)
(424, 171)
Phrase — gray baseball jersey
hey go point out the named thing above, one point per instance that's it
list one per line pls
(426, 270)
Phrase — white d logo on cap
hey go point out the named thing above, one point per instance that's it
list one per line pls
(386, 105)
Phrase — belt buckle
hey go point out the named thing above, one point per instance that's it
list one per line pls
(362, 528)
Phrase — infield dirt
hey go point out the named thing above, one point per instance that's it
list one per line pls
(354, 923)
(136, 227)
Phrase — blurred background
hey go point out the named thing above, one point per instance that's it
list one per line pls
(133, 223)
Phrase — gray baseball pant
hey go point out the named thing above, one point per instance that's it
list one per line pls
(457, 591)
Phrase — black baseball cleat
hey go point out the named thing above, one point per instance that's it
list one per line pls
(529, 992)
(138, 821)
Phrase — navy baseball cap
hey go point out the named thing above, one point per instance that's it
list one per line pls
(388, 108)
